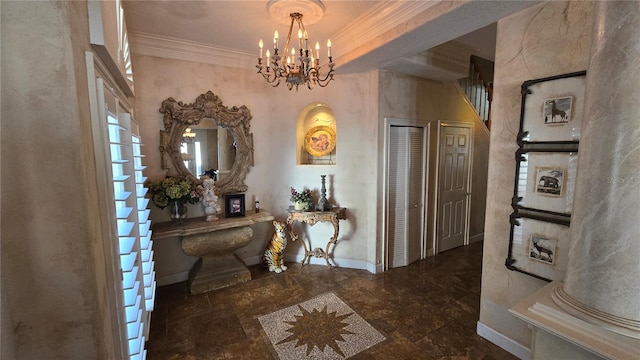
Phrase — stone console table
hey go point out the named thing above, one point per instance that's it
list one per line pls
(311, 218)
(214, 242)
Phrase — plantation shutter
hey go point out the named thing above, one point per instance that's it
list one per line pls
(133, 226)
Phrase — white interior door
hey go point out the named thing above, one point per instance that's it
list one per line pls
(453, 186)
(406, 184)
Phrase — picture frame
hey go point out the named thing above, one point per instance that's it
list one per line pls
(538, 248)
(545, 180)
(542, 248)
(234, 205)
(320, 140)
(552, 108)
(546, 167)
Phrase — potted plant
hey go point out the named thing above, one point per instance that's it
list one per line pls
(175, 192)
(301, 200)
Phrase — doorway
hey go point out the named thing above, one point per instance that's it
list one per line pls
(455, 156)
(406, 174)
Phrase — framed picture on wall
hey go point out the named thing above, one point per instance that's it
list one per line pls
(537, 247)
(320, 140)
(546, 172)
(234, 205)
(552, 108)
(542, 248)
(546, 180)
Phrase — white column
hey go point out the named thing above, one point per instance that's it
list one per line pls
(602, 284)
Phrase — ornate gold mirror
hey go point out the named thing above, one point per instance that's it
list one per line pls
(178, 117)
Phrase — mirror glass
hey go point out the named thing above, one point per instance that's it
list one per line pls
(209, 149)
(220, 140)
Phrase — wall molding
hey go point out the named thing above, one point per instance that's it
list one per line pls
(339, 262)
(378, 21)
(172, 278)
(476, 238)
(178, 49)
(345, 263)
(507, 344)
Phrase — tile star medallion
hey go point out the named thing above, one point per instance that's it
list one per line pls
(321, 328)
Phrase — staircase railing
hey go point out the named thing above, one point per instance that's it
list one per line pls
(479, 87)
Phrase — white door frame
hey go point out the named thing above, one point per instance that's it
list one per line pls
(436, 212)
(388, 122)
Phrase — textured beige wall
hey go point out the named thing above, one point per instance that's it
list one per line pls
(351, 183)
(52, 272)
(275, 112)
(408, 97)
(548, 39)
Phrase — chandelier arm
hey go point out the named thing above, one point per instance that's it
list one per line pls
(329, 76)
(300, 24)
(286, 45)
(325, 81)
(276, 83)
(271, 80)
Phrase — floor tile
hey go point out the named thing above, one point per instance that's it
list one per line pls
(427, 310)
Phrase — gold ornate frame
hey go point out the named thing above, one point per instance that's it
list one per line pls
(320, 140)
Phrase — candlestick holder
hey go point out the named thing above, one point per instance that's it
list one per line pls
(323, 203)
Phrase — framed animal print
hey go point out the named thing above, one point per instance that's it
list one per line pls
(538, 248)
(546, 180)
(552, 108)
(546, 167)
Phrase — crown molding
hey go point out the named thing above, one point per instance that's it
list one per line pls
(377, 21)
(178, 49)
(453, 54)
(445, 62)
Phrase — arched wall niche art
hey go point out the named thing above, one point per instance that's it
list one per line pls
(316, 135)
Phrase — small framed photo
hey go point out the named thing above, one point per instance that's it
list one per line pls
(557, 111)
(234, 205)
(542, 249)
(550, 181)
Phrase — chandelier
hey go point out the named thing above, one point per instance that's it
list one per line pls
(188, 136)
(297, 67)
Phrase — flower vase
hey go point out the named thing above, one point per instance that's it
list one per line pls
(178, 210)
(300, 205)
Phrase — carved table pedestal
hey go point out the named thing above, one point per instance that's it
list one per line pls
(215, 243)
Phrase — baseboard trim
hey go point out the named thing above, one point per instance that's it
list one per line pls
(172, 278)
(345, 263)
(476, 238)
(255, 260)
(513, 347)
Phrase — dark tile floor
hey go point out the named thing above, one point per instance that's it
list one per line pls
(427, 310)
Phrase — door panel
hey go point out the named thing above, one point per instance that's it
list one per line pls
(454, 187)
(406, 194)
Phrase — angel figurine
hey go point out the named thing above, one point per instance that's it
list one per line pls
(210, 200)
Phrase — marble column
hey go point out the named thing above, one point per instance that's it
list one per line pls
(602, 284)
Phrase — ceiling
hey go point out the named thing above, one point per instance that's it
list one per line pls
(431, 39)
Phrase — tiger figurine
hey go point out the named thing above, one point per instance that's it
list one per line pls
(274, 255)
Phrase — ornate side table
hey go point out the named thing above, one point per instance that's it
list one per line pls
(311, 218)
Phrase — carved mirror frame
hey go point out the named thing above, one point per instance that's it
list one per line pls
(179, 116)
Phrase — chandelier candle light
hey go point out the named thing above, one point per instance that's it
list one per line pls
(299, 67)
